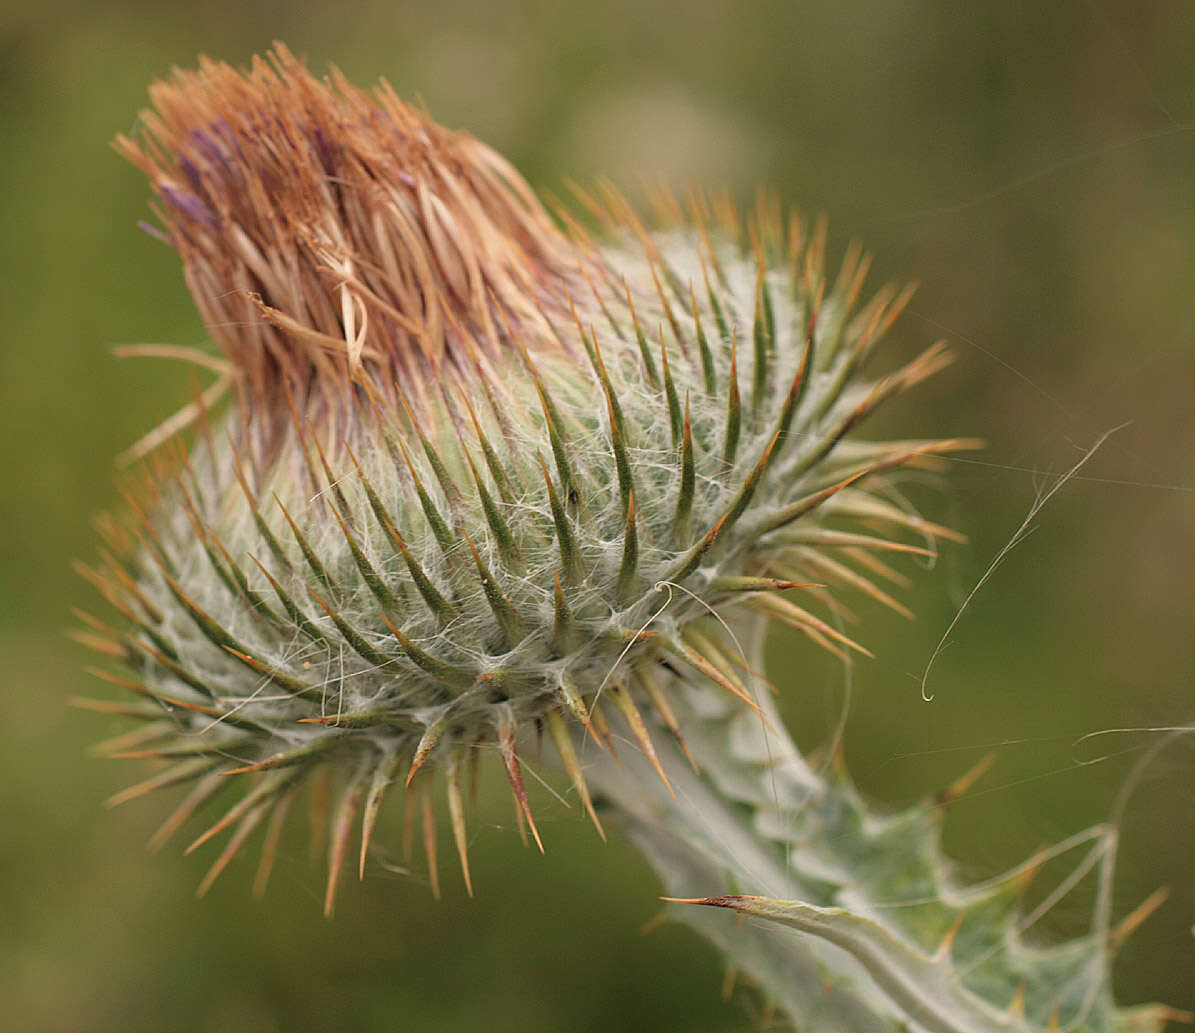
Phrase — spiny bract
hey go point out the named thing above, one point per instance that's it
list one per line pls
(481, 477)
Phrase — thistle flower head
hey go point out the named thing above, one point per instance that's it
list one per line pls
(481, 476)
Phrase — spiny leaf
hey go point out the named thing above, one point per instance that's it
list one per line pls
(948, 796)
(572, 766)
(927, 989)
(852, 543)
(204, 538)
(133, 685)
(1135, 919)
(650, 682)
(437, 668)
(707, 357)
(796, 391)
(220, 716)
(831, 568)
(309, 554)
(568, 693)
(622, 460)
(439, 526)
(649, 365)
(119, 708)
(259, 521)
(552, 422)
(428, 741)
(200, 793)
(513, 626)
(212, 630)
(510, 759)
(864, 506)
(447, 484)
(874, 319)
(602, 728)
(354, 638)
(497, 469)
(630, 554)
(111, 592)
(794, 615)
(182, 673)
(331, 480)
(255, 602)
(428, 814)
(456, 813)
(356, 719)
(183, 771)
(273, 836)
(757, 584)
(601, 303)
(630, 712)
(126, 580)
(314, 487)
(564, 625)
(441, 607)
(508, 548)
(384, 776)
(292, 685)
(245, 828)
(763, 336)
(738, 505)
(570, 553)
(811, 328)
(654, 259)
(100, 637)
(703, 666)
(147, 535)
(338, 841)
(292, 758)
(715, 305)
(268, 787)
(674, 410)
(734, 408)
(718, 653)
(681, 522)
(300, 619)
(802, 507)
(373, 581)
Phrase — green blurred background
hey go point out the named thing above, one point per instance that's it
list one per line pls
(1032, 165)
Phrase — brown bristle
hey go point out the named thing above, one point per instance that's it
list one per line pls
(324, 230)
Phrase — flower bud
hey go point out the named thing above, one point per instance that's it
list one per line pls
(481, 476)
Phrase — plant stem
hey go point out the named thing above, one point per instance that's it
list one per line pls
(712, 838)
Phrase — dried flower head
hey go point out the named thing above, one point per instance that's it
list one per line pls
(482, 477)
(318, 224)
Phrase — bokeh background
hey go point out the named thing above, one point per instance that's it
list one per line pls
(1032, 165)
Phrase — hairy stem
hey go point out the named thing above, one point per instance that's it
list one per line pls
(707, 841)
(879, 935)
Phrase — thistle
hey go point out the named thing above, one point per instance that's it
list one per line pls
(482, 477)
